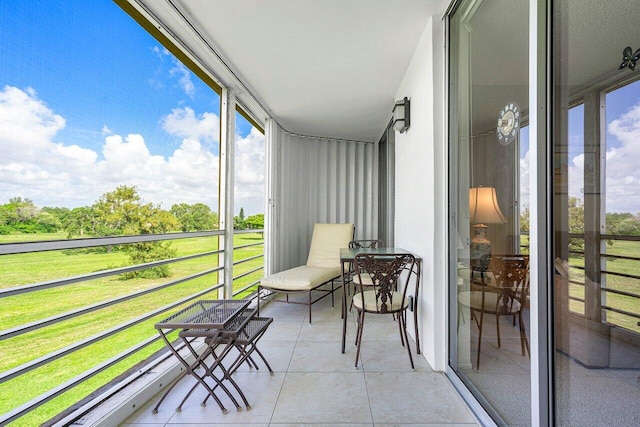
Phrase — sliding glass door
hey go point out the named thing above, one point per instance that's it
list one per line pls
(544, 290)
(489, 103)
(596, 219)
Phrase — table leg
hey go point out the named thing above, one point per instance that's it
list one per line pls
(245, 344)
(190, 369)
(217, 362)
(415, 305)
(208, 372)
(344, 307)
(166, 393)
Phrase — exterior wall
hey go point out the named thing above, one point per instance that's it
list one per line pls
(421, 203)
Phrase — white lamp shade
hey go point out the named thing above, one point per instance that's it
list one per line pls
(483, 206)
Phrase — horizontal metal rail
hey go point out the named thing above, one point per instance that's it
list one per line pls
(90, 308)
(29, 366)
(619, 292)
(51, 394)
(240, 276)
(575, 282)
(73, 414)
(248, 245)
(249, 231)
(93, 242)
(628, 276)
(631, 258)
(617, 310)
(619, 237)
(242, 261)
(249, 286)
(616, 237)
(97, 275)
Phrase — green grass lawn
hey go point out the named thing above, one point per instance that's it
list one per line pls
(22, 269)
(621, 302)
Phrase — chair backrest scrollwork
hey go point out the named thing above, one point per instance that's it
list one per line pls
(385, 272)
(512, 280)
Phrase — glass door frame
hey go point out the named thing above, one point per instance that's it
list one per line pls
(541, 84)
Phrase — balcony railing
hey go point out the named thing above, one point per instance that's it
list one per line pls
(69, 334)
(619, 284)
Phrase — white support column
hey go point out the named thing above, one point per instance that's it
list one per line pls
(270, 218)
(227, 174)
(540, 220)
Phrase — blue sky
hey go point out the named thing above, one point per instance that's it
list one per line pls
(622, 192)
(88, 77)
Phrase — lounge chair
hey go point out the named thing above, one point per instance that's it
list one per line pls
(322, 268)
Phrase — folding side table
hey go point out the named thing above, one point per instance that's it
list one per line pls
(225, 324)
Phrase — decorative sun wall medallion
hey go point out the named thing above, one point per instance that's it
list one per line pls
(508, 123)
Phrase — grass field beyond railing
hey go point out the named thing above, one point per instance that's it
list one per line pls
(29, 268)
(627, 266)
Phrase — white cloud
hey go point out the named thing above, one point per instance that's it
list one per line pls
(177, 70)
(184, 123)
(184, 77)
(52, 173)
(622, 171)
(623, 174)
(524, 181)
(161, 52)
(250, 173)
(27, 125)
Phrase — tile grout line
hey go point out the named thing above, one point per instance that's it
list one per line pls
(286, 373)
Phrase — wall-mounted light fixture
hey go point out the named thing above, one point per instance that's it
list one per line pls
(402, 115)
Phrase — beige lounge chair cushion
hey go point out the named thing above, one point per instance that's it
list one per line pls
(323, 263)
(301, 278)
(370, 302)
(326, 242)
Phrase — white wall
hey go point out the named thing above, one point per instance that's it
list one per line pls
(421, 203)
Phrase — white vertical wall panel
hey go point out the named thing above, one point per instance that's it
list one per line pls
(316, 180)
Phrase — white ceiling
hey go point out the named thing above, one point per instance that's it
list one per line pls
(319, 67)
(332, 68)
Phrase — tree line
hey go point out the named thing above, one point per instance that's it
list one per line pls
(115, 213)
(119, 212)
(621, 224)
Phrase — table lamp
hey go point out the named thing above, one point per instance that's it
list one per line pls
(483, 210)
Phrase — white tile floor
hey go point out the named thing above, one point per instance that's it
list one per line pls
(315, 384)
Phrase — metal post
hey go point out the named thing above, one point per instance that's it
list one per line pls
(226, 193)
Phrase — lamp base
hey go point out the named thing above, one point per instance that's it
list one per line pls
(480, 248)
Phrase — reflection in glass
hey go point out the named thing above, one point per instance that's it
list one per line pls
(489, 95)
(596, 223)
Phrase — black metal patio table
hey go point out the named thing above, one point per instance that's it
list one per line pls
(225, 324)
